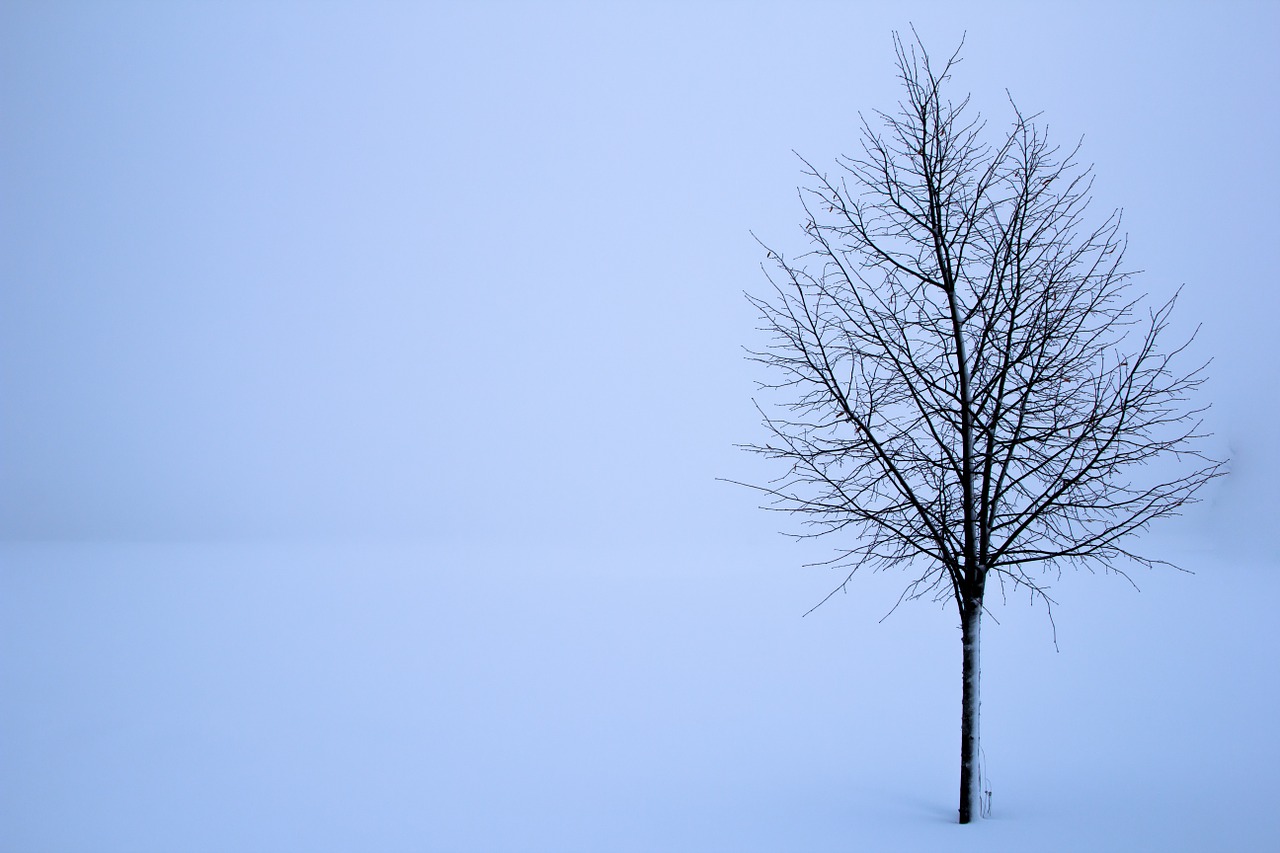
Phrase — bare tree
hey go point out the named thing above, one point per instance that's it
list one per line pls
(967, 388)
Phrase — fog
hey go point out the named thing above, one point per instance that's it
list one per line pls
(467, 270)
(430, 316)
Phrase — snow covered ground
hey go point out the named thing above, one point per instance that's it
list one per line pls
(315, 698)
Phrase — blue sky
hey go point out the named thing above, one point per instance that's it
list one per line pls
(450, 270)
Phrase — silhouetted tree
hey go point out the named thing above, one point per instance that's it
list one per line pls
(966, 387)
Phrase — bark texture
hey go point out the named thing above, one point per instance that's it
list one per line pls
(970, 713)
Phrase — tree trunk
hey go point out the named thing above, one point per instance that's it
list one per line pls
(970, 781)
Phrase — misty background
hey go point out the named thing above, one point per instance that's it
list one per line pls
(451, 270)
(366, 372)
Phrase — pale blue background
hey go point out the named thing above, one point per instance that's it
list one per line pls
(474, 269)
(366, 369)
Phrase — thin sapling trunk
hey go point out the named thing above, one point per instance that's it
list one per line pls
(970, 713)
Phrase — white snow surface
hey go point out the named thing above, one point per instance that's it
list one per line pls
(421, 698)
